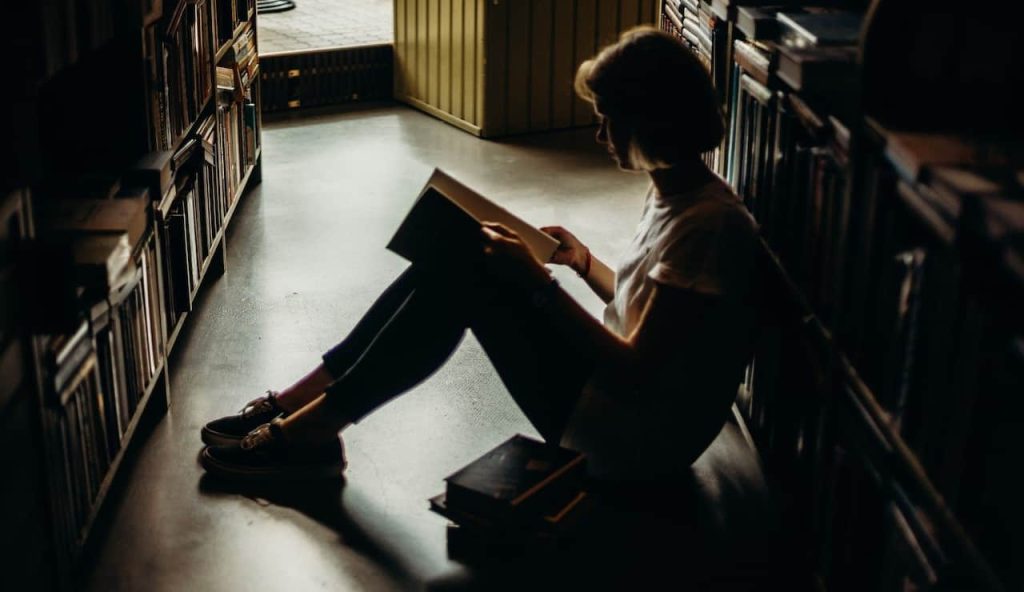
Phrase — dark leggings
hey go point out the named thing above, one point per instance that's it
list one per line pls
(419, 320)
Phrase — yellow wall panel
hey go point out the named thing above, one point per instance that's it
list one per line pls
(420, 89)
(433, 51)
(473, 79)
(629, 14)
(563, 65)
(539, 86)
(401, 51)
(518, 83)
(607, 22)
(458, 32)
(444, 98)
(497, 67)
(493, 63)
(586, 37)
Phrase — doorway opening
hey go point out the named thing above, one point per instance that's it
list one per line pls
(325, 52)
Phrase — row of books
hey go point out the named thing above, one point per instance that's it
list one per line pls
(198, 184)
(137, 260)
(180, 54)
(238, 121)
(694, 23)
(63, 32)
(113, 244)
(231, 14)
(23, 499)
(99, 374)
(901, 280)
(79, 459)
(13, 213)
(130, 334)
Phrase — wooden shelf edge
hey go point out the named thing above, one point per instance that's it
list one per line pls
(173, 339)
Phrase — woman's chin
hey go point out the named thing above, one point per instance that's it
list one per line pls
(624, 165)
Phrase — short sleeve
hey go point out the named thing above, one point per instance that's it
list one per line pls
(710, 252)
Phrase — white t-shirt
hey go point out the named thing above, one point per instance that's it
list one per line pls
(704, 241)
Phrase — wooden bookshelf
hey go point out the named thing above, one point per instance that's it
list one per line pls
(880, 398)
(116, 347)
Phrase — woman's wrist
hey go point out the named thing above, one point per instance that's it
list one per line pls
(583, 270)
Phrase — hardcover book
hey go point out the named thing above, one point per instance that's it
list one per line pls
(802, 29)
(521, 479)
(445, 223)
(89, 216)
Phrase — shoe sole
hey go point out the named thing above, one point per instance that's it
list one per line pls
(212, 438)
(221, 469)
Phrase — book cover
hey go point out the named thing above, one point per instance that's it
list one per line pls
(444, 223)
(521, 477)
(757, 23)
(86, 216)
(912, 152)
(817, 69)
(102, 261)
(801, 29)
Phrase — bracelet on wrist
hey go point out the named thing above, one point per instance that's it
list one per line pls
(583, 273)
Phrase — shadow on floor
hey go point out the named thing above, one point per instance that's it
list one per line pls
(321, 501)
(714, 531)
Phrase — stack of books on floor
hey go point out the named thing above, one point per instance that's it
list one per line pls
(523, 496)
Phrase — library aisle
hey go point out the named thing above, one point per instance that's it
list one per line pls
(306, 258)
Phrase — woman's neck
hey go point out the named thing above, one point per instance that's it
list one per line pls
(682, 177)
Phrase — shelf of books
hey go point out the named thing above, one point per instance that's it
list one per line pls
(128, 224)
(880, 397)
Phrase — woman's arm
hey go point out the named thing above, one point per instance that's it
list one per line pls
(572, 253)
(628, 359)
(601, 279)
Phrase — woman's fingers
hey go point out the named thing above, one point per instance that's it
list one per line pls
(490, 233)
(499, 228)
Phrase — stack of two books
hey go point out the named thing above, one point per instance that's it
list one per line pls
(524, 495)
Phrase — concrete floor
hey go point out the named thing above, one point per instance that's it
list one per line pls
(305, 258)
(322, 24)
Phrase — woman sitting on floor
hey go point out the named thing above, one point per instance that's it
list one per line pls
(643, 394)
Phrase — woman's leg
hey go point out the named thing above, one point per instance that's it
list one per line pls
(344, 355)
(542, 373)
(414, 342)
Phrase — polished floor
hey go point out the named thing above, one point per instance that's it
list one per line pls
(306, 256)
(323, 24)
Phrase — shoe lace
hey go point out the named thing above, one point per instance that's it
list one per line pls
(259, 406)
(258, 438)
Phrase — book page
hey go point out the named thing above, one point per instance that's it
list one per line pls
(484, 210)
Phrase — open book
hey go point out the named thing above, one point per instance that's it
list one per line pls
(445, 222)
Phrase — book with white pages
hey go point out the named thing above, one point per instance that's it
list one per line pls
(446, 218)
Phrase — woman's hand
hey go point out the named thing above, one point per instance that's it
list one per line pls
(571, 251)
(508, 259)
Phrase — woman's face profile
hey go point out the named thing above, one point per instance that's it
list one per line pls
(612, 136)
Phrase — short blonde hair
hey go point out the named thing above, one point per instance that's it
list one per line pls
(656, 87)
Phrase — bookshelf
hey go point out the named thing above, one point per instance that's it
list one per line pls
(133, 135)
(883, 398)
